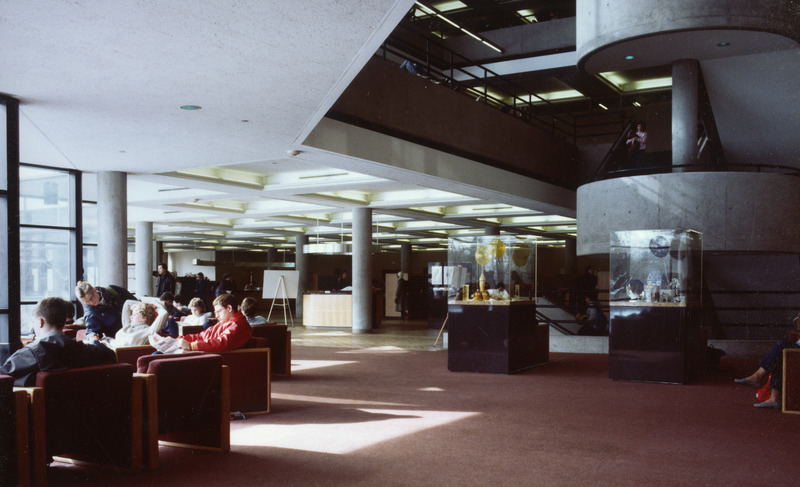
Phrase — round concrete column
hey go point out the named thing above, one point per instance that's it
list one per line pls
(405, 258)
(362, 270)
(301, 265)
(112, 232)
(685, 106)
(144, 259)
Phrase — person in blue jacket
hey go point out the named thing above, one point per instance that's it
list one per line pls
(103, 308)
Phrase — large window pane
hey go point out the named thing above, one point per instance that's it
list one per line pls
(3, 148)
(90, 265)
(44, 197)
(45, 262)
(89, 223)
(4, 254)
(26, 319)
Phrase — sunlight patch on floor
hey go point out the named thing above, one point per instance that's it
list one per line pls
(335, 400)
(369, 428)
(299, 365)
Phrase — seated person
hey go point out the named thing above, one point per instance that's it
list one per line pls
(595, 322)
(199, 315)
(248, 308)
(231, 331)
(139, 321)
(52, 351)
(103, 315)
(179, 303)
(171, 327)
(771, 364)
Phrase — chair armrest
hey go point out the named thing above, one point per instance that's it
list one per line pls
(37, 438)
(129, 355)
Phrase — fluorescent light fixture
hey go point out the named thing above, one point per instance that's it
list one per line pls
(602, 106)
(637, 104)
(629, 57)
(191, 107)
(439, 14)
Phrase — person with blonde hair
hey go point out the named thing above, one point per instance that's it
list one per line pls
(199, 315)
(103, 306)
(140, 320)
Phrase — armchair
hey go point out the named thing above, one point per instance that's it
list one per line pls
(279, 341)
(89, 414)
(14, 448)
(187, 403)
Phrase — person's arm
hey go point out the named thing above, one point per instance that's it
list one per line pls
(229, 337)
(643, 138)
(93, 324)
(22, 366)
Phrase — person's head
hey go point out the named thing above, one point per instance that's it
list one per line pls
(400, 275)
(590, 269)
(143, 313)
(87, 294)
(69, 309)
(200, 276)
(225, 307)
(50, 314)
(167, 297)
(226, 277)
(640, 127)
(179, 300)
(248, 307)
(162, 269)
(197, 306)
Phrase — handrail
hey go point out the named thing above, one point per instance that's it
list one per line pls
(782, 169)
(551, 120)
(614, 146)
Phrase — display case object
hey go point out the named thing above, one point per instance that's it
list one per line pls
(491, 317)
(655, 305)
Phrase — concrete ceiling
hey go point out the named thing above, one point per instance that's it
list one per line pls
(101, 86)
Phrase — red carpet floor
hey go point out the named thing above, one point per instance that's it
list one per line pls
(396, 418)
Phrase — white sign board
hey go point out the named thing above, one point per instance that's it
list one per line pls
(272, 287)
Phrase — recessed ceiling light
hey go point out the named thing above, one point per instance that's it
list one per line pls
(628, 57)
(190, 107)
(724, 44)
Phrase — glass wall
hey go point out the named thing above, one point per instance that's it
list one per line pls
(48, 250)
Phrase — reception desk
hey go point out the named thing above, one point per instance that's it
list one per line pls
(500, 337)
(328, 310)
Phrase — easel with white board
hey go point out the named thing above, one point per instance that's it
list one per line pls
(285, 285)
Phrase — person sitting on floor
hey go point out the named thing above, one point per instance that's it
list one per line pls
(52, 351)
(139, 321)
(199, 315)
(248, 308)
(771, 364)
(231, 332)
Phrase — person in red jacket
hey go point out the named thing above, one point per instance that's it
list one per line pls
(232, 330)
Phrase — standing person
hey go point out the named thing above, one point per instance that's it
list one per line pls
(165, 282)
(343, 281)
(231, 331)
(640, 137)
(225, 286)
(103, 315)
(401, 296)
(52, 350)
(201, 287)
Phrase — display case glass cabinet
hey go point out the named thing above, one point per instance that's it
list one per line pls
(491, 319)
(655, 304)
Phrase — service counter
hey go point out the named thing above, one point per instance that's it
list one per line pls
(328, 310)
(501, 337)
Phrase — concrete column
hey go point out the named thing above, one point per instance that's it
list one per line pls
(362, 270)
(405, 258)
(272, 254)
(144, 259)
(491, 231)
(685, 106)
(112, 232)
(301, 265)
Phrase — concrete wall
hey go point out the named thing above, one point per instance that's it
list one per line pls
(736, 212)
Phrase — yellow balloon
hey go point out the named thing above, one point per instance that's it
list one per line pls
(499, 248)
(483, 255)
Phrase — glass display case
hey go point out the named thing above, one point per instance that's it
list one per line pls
(493, 268)
(656, 266)
(655, 302)
(491, 317)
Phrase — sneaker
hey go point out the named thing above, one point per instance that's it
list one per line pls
(767, 404)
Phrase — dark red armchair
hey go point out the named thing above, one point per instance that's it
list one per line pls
(15, 466)
(89, 414)
(187, 403)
